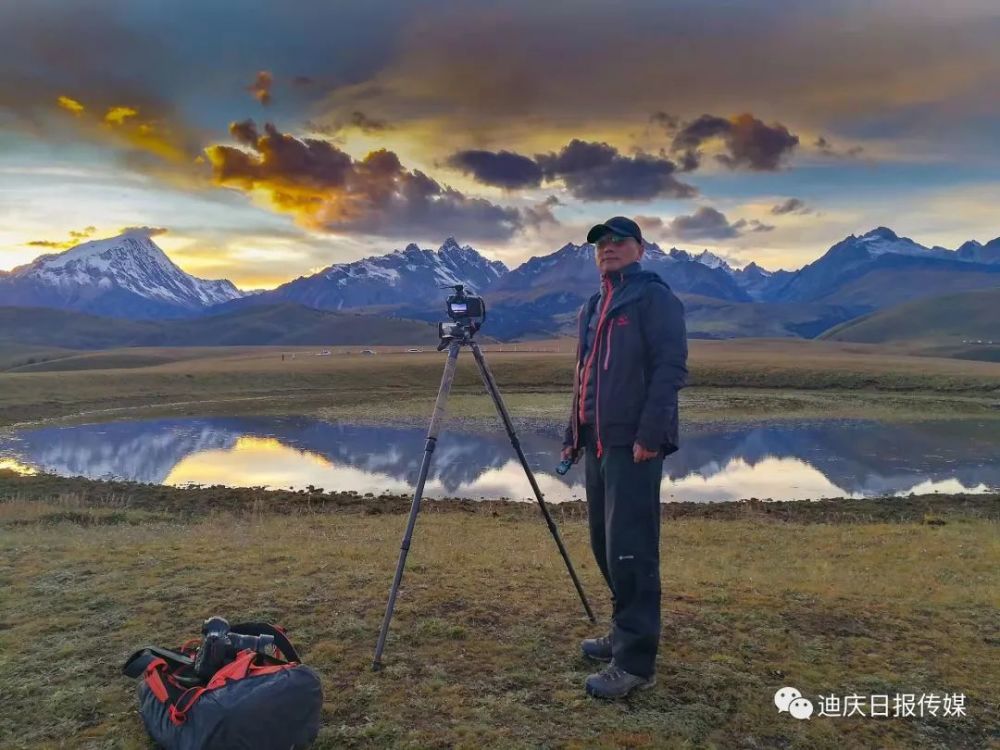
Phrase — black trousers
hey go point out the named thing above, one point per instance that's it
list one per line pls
(623, 507)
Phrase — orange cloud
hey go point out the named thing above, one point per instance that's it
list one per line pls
(75, 238)
(70, 105)
(326, 189)
(127, 126)
(118, 115)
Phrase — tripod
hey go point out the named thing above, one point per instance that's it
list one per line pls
(465, 339)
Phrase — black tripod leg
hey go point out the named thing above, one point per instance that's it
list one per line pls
(494, 391)
(432, 431)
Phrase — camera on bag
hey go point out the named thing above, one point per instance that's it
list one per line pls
(237, 686)
(219, 646)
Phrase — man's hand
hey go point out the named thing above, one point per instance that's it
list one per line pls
(641, 454)
(567, 452)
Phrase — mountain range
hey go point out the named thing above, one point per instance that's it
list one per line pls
(130, 277)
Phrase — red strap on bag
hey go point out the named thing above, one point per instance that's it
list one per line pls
(242, 666)
(154, 680)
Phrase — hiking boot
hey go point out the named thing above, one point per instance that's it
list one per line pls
(615, 682)
(597, 648)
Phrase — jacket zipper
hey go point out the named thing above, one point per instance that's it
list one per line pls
(609, 291)
(597, 390)
(576, 384)
(597, 414)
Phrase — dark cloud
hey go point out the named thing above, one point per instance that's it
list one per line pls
(597, 171)
(791, 206)
(334, 128)
(826, 148)
(326, 129)
(754, 225)
(541, 214)
(244, 131)
(647, 223)
(590, 171)
(148, 231)
(748, 141)
(503, 169)
(688, 160)
(326, 189)
(864, 69)
(696, 132)
(667, 121)
(367, 124)
(757, 146)
(261, 87)
(707, 223)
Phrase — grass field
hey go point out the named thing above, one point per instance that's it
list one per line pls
(856, 597)
(750, 379)
(833, 597)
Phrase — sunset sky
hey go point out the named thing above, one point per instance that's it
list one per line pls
(265, 140)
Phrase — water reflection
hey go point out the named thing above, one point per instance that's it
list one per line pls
(793, 461)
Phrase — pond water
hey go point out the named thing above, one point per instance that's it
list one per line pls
(782, 462)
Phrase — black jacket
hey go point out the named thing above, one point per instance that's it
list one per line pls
(637, 364)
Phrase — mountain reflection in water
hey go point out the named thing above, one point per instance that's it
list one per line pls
(782, 462)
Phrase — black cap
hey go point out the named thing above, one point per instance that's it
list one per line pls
(617, 224)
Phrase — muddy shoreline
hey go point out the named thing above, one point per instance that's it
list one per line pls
(71, 493)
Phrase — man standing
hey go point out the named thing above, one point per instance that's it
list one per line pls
(631, 361)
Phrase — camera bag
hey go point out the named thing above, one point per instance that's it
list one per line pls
(254, 701)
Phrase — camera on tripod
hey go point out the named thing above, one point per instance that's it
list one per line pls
(467, 312)
(219, 646)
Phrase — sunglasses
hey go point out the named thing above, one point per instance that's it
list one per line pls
(616, 240)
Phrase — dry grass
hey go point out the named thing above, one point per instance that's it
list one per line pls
(739, 379)
(483, 649)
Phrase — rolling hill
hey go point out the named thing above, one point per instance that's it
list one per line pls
(710, 318)
(965, 325)
(284, 324)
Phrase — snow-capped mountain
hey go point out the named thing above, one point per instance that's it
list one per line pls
(126, 276)
(882, 240)
(905, 269)
(408, 276)
(708, 258)
(760, 283)
(573, 267)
